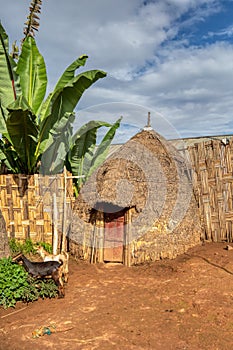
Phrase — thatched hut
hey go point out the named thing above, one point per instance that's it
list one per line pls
(138, 206)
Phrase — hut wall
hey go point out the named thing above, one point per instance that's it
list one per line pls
(80, 239)
(213, 186)
(86, 237)
(27, 204)
(161, 242)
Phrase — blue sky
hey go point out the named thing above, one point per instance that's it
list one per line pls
(173, 58)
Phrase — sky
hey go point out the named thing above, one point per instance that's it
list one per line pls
(172, 58)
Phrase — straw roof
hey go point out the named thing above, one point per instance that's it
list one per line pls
(147, 173)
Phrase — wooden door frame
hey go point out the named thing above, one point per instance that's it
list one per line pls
(98, 218)
(114, 216)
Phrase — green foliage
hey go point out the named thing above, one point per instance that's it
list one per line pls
(44, 288)
(84, 156)
(17, 285)
(27, 247)
(15, 246)
(18, 247)
(37, 131)
(31, 125)
(13, 281)
(47, 246)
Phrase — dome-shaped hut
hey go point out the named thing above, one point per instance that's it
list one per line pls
(138, 206)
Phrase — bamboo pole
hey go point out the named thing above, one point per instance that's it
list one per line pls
(55, 219)
(93, 244)
(127, 238)
(64, 216)
(101, 236)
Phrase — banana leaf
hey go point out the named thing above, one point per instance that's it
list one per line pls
(103, 148)
(64, 79)
(84, 143)
(84, 157)
(32, 72)
(52, 161)
(69, 72)
(3, 117)
(23, 133)
(9, 86)
(62, 102)
(9, 157)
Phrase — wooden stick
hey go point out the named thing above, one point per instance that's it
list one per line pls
(64, 217)
(55, 229)
(14, 312)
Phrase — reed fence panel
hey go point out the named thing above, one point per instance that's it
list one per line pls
(28, 202)
(213, 186)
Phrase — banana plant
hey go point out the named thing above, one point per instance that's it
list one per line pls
(85, 156)
(32, 125)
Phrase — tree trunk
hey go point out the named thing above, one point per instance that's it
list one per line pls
(4, 244)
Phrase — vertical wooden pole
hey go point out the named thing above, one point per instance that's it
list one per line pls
(129, 235)
(93, 244)
(101, 236)
(64, 216)
(55, 230)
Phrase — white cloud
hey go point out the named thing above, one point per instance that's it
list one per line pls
(228, 31)
(150, 66)
(193, 87)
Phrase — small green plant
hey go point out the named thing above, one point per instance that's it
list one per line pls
(26, 247)
(17, 285)
(47, 246)
(45, 288)
(15, 246)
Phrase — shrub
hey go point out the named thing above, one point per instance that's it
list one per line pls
(17, 247)
(17, 285)
(27, 247)
(47, 246)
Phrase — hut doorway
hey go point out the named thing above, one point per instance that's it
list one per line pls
(114, 237)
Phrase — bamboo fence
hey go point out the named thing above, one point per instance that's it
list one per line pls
(35, 206)
(213, 187)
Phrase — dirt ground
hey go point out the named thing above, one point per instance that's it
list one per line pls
(186, 303)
